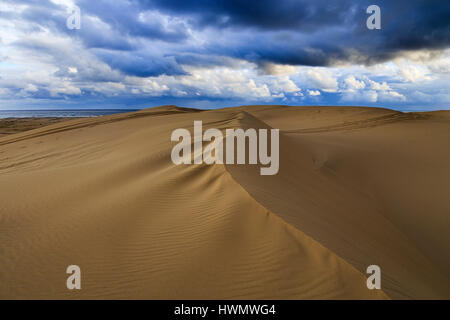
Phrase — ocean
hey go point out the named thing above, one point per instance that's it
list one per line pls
(60, 113)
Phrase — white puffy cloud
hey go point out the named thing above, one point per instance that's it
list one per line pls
(72, 70)
(368, 90)
(322, 79)
(283, 84)
(353, 84)
(314, 92)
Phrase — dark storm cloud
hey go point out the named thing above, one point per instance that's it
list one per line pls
(335, 30)
(153, 37)
(263, 14)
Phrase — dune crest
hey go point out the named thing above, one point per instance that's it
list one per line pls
(103, 193)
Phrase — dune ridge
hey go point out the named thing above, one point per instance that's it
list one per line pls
(103, 193)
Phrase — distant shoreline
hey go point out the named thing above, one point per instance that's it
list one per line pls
(73, 113)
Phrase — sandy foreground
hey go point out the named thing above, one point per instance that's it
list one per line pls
(356, 187)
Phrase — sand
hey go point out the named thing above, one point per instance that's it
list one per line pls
(15, 125)
(356, 187)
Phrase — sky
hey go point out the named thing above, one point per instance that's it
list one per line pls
(208, 54)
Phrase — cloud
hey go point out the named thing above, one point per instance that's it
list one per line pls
(319, 33)
(314, 92)
(241, 51)
(368, 91)
(321, 79)
(141, 64)
(353, 84)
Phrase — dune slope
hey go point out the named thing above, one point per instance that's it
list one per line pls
(356, 187)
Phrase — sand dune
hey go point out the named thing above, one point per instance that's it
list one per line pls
(356, 187)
